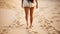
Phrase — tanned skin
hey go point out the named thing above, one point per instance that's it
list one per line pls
(26, 9)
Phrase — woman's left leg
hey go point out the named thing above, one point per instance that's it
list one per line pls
(31, 16)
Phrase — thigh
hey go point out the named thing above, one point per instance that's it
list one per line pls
(31, 10)
(26, 10)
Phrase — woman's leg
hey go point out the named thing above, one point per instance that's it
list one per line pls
(26, 14)
(31, 16)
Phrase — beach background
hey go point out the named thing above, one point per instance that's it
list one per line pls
(46, 18)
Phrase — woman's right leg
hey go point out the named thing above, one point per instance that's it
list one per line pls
(26, 14)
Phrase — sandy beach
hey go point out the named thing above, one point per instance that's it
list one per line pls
(46, 18)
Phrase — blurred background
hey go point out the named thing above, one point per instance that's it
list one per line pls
(46, 18)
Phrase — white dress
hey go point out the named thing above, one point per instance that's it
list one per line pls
(29, 4)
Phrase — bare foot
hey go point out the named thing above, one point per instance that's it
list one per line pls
(30, 26)
(26, 27)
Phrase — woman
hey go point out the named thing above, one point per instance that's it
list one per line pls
(29, 5)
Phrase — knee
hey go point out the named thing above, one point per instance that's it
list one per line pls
(31, 16)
